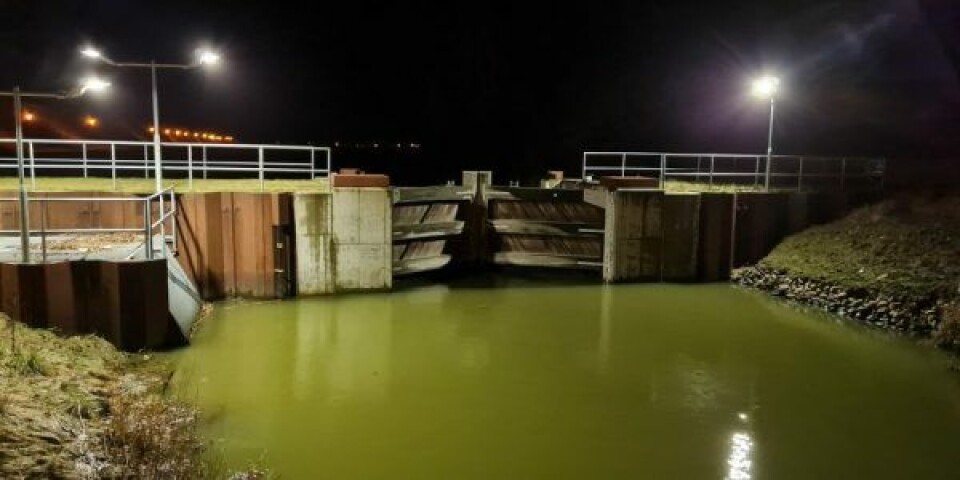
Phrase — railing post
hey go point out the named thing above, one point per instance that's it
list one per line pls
(84, 145)
(800, 176)
(33, 171)
(190, 167)
(696, 178)
(147, 227)
(113, 164)
(663, 171)
(163, 226)
(313, 163)
(173, 216)
(756, 171)
(583, 167)
(43, 233)
(203, 152)
(260, 165)
(146, 162)
(623, 164)
(711, 169)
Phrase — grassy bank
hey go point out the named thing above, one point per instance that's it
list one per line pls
(77, 408)
(899, 259)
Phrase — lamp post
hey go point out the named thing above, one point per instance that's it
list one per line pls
(767, 87)
(91, 83)
(203, 57)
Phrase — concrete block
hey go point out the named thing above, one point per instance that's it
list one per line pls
(363, 266)
(313, 234)
(362, 215)
(633, 243)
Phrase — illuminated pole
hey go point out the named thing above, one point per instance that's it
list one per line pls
(767, 87)
(204, 57)
(88, 84)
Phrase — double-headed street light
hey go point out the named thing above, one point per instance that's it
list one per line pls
(203, 57)
(766, 87)
(90, 83)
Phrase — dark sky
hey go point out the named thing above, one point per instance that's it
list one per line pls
(518, 87)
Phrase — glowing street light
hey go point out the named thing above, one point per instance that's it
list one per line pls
(204, 56)
(91, 122)
(766, 87)
(91, 83)
(29, 116)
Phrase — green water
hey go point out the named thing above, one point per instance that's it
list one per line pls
(576, 382)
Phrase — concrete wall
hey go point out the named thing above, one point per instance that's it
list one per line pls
(343, 240)
(715, 252)
(313, 234)
(633, 236)
(362, 242)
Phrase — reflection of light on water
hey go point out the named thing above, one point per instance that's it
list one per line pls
(740, 460)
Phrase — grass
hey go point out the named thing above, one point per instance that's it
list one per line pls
(144, 185)
(907, 245)
(77, 408)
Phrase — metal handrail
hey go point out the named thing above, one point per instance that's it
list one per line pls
(166, 200)
(189, 157)
(711, 166)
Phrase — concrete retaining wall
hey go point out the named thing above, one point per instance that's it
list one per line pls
(633, 236)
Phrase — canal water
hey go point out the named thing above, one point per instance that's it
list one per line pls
(515, 379)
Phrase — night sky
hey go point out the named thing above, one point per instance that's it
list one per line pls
(517, 88)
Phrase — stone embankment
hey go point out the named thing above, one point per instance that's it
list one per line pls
(893, 265)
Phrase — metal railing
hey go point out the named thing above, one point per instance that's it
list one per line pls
(98, 158)
(158, 210)
(782, 172)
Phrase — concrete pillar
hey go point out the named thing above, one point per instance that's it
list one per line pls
(362, 243)
(681, 228)
(313, 233)
(633, 236)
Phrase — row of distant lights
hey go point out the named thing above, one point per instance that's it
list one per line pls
(89, 120)
(187, 135)
(373, 145)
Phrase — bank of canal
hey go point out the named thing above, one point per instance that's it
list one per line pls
(527, 380)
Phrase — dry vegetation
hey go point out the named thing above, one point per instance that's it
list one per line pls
(76, 408)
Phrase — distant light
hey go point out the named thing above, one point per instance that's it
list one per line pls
(166, 131)
(91, 52)
(766, 86)
(91, 122)
(29, 116)
(376, 145)
(207, 57)
(151, 129)
(177, 133)
(196, 134)
(94, 83)
(229, 139)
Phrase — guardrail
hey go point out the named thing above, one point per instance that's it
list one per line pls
(204, 160)
(782, 172)
(158, 210)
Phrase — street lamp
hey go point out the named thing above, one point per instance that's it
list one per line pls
(766, 87)
(91, 83)
(203, 57)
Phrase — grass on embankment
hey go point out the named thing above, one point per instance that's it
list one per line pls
(77, 408)
(907, 245)
(895, 265)
(145, 185)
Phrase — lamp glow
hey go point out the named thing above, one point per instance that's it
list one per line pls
(207, 57)
(766, 86)
(94, 83)
(91, 52)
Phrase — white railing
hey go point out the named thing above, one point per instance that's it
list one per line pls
(159, 210)
(782, 172)
(119, 159)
